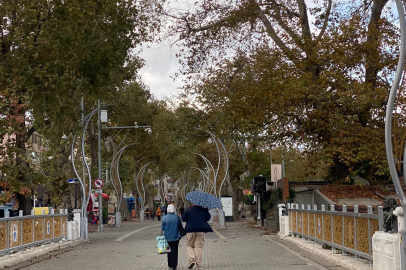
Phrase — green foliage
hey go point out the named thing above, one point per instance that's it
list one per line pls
(322, 86)
(273, 201)
(105, 213)
(52, 53)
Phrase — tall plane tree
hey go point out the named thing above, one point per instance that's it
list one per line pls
(313, 73)
(52, 52)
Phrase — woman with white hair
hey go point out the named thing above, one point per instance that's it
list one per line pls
(170, 223)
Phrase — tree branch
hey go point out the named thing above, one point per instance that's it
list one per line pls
(304, 20)
(326, 17)
(272, 33)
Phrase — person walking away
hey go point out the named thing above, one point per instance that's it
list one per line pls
(152, 213)
(170, 227)
(158, 213)
(164, 210)
(147, 213)
(196, 218)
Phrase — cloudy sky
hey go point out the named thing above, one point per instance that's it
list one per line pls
(160, 65)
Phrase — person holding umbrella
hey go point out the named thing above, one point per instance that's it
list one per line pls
(196, 218)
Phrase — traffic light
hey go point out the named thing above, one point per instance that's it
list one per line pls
(260, 184)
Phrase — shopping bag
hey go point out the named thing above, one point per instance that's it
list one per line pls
(180, 228)
(162, 245)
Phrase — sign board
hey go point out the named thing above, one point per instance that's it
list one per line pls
(111, 219)
(227, 203)
(276, 172)
(111, 208)
(103, 116)
(98, 190)
(98, 183)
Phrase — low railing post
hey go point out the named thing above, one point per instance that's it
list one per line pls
(53, 226)
(314, 223)
(20, 214)
(355, 231)
(301, 221)
(308, 223)
(7, 215)
(43, 228)
(344, 253)
(369, 234)
(33, 229)
(380, 218)
(333, 249)
(323, 209)
(296, 219)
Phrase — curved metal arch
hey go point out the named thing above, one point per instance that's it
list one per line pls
(227, 164)
(176, 191)
(84, 201)
(390, 106)
(142, 181)
(204, 176)
(184, 196)
(118, 174)
(160, 181)
(218, 149)
(208, 163)
(85, 121)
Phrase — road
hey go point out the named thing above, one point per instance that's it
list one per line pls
(241, 246)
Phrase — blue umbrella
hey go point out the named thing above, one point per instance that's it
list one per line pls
(204, 199)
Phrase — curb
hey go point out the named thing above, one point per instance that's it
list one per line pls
(338, 259)
(29, 254)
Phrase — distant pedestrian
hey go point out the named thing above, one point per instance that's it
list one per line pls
(158, 213)
(152, 213)
(164, 211)
(147, 213)
(169, 225)
(196, 218)
(181, 210)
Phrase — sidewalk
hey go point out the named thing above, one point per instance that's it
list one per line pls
(133, 246)
(347, 262)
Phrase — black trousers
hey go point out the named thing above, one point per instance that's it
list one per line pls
(173, 255)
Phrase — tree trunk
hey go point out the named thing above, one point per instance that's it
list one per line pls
(126, 215)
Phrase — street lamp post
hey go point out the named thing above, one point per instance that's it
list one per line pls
(146, 128)
(388, 127)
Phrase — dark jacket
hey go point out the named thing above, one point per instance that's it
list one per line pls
(196, 218)
(170, 227)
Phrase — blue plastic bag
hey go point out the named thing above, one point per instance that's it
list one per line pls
(162, 245)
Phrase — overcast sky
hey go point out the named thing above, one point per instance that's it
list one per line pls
(160, 65)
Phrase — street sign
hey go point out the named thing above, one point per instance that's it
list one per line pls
(98, 190)
(98, 183)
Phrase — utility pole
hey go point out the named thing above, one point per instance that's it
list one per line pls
(100, 128)
(99, 197)
(82, 107)
(283, 163)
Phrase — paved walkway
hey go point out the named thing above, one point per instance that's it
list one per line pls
(133, 246)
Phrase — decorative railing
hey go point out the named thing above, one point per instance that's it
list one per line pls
(22, 232)
(347, 231)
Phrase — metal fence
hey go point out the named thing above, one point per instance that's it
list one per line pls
(349, 232)
(22, 232)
